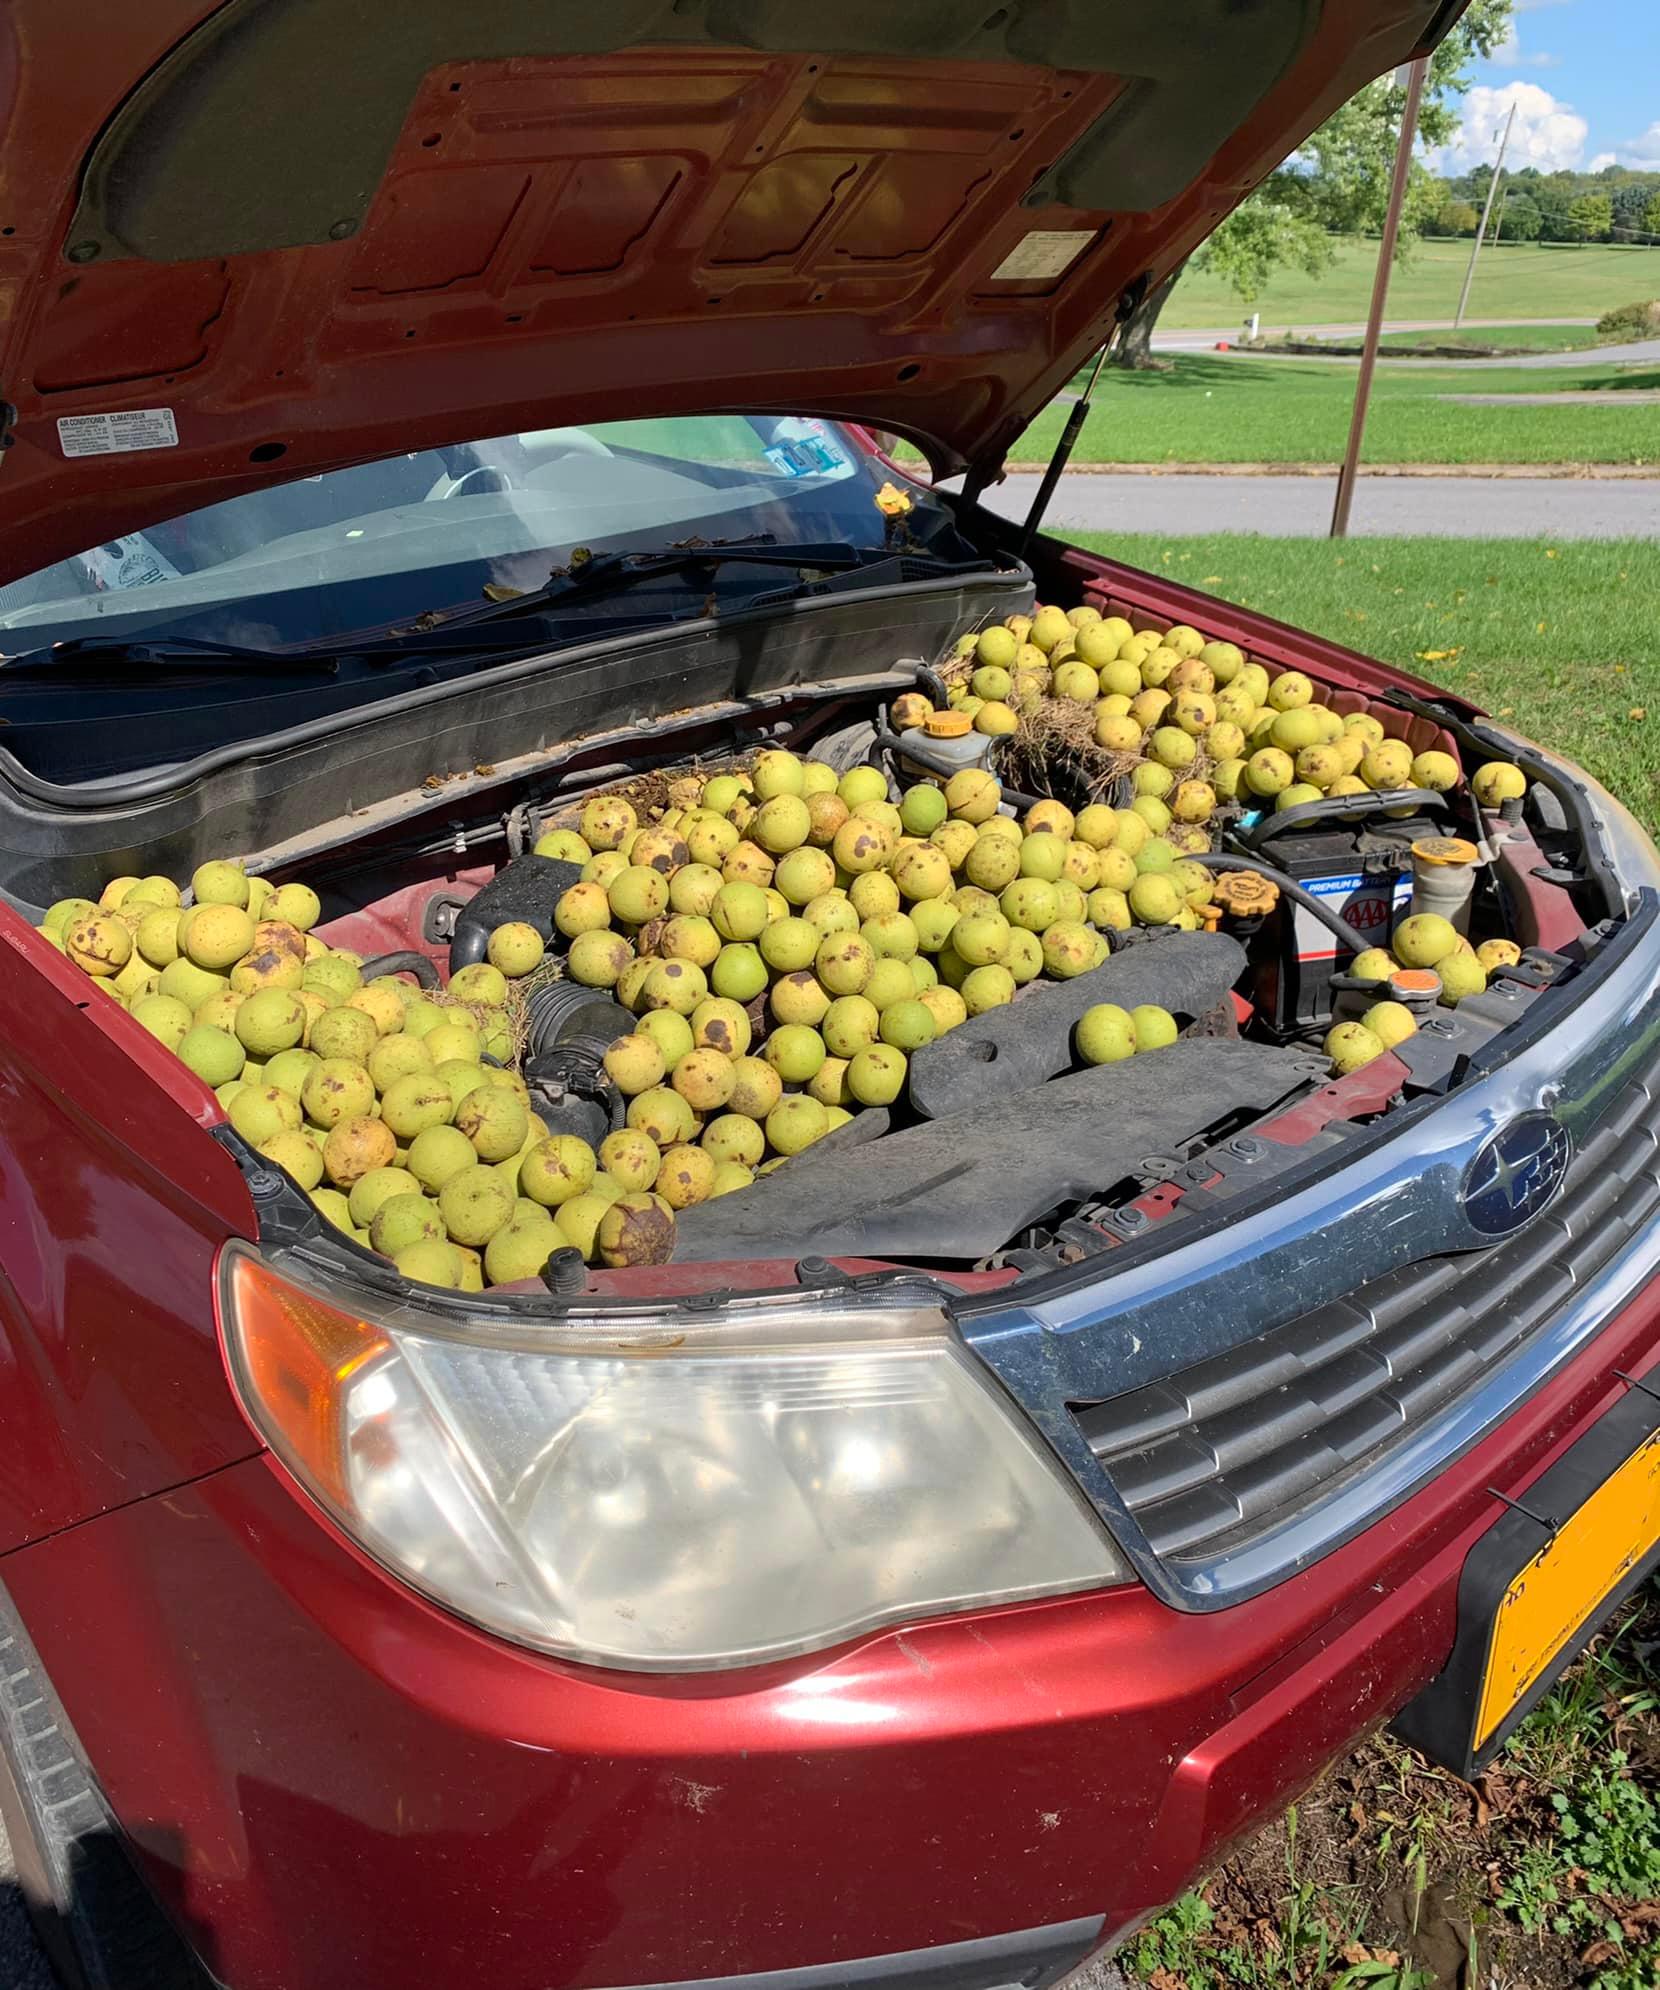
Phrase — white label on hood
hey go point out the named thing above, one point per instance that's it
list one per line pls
(1043, 253)
(107, 435)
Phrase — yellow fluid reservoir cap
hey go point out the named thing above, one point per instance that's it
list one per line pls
(1246, 894)
(953, 725)
(1446, 850)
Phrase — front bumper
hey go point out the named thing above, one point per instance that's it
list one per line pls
(330, 1783)
(1029, 1959)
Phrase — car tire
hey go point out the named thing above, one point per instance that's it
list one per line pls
(97, 1921)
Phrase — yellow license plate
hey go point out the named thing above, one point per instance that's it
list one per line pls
(1552, 1600)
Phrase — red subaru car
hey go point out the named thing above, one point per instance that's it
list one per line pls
(921, 1578)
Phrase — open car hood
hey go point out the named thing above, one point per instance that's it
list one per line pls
(242, 242)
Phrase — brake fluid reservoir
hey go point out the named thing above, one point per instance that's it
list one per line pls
(949, 740)
(1443, 877)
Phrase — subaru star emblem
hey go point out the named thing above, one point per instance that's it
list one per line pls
(1516, 1174)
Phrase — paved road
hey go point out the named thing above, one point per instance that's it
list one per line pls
(1591, 397)
(1300, 507)
(1640, 352)
(1194, 341)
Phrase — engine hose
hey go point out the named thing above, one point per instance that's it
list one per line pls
(929, 680)
(576, 1066)
(1341, 808)
(408, 962)
(467, 947)
(1308, 900)
(887, 742)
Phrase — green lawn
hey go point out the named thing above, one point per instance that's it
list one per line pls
(1393, 1875)
(1511, 283)
(1235, 408)
(1562, 642)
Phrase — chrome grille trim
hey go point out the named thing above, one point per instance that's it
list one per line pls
(1216, 1457)
(1391, 1205)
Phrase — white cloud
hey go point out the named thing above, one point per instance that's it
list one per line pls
(1642, 152)
(1508, 54)
(1547, 133)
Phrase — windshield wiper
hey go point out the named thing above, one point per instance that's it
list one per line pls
(487, 629)
(188, 652)
(610, 573)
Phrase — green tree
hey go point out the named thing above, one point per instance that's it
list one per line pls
(1556, 224)
(1338, 183)
(1258, 238)
(1519, 220)
(1630, 199)
(1651, 216)
(1441, 196)
(1456, 217)
(1352, 155)
(1592, 217)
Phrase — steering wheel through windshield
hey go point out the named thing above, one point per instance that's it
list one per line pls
(483, 480)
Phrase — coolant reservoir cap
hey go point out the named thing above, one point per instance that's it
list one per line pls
(1445, 850)
(1244, 894)
(954, 725)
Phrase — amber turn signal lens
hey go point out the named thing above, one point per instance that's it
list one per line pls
(297, 1353)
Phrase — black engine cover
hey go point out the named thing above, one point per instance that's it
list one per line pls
(955, 1190)
(527, 888)
(1006, 1050)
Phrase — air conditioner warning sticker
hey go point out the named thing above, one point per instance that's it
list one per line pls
(114, 434)
(1043, 254)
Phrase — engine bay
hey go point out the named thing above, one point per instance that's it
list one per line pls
(1098, 922)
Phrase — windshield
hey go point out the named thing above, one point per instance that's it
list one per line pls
(361, 550)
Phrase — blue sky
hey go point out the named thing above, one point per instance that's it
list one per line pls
(1585, 78)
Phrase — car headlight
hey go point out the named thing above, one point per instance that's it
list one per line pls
(657, 1496)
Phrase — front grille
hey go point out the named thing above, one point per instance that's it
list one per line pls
(1221, 1453)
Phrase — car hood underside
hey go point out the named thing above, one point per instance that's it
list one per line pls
(249, 240)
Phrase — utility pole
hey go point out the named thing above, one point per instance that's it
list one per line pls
(1492, 188)
(1415, 75)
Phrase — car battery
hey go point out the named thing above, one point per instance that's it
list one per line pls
(1365, 876)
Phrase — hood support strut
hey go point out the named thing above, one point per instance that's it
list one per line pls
(1063, 452)
(1128, 304)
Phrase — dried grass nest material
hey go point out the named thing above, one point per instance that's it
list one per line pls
(1054, 752)
(651, 792)
(517, 1006)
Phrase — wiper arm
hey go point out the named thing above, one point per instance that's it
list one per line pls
(610, 573)
(880, 570)
(190, 652)
(816, 567)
